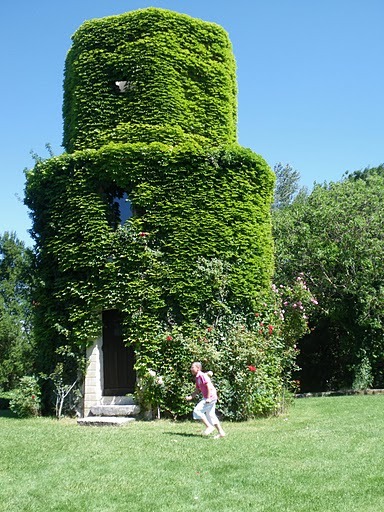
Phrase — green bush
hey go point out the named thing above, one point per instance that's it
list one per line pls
(25, 399)
(363, 374)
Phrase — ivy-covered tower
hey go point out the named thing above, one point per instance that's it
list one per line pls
(154, 219)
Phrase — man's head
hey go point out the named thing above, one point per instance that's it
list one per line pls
(196, 368)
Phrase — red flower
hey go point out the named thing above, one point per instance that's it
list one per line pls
(169, 338)
(270, 329)
(143, 234)
(251, 368)
(33, 397)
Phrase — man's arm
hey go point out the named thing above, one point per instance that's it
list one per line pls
(210, 389)
(192, 395)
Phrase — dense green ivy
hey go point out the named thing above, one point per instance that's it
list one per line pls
(169, 143)
(179, 71)
(205, 203)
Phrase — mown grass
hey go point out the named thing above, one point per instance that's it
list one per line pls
(326, 455)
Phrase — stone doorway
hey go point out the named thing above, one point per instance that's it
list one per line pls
(110, 374)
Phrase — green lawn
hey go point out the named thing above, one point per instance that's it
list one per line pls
(326, 455)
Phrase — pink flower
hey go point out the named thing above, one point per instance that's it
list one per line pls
(270, 329)
(251, 368)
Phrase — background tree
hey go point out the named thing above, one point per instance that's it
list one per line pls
(16, 341)
(287, 185)
(335, 236)
(363, 174)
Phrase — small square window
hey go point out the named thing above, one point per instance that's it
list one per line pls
(124, 86)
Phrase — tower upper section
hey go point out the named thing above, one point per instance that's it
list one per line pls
(149, 67)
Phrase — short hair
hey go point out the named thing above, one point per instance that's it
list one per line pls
(198, 364)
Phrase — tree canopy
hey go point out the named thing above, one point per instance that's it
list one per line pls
(15, 310)
(335, 236)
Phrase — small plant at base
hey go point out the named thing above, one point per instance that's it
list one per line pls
(150, 390)
(363, 374)
(25, 399)
(64, 385)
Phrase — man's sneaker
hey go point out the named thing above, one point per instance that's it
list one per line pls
(208, 431)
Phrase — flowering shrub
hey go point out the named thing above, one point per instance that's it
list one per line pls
(252, 357)
(25, 399)
(249, 378)
(162, 366)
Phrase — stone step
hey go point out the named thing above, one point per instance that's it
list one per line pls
(104, 421)
(114, 410)
(118, 400)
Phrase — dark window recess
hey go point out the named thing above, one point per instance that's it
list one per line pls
(120, 208)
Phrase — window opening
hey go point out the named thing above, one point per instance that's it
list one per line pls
(125, 208)
(124, 86)
(120, 207)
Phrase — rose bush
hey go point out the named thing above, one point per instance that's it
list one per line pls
(252, 357)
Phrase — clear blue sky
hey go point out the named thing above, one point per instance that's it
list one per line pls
(310, 77)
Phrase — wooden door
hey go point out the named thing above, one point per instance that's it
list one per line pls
(118, 360)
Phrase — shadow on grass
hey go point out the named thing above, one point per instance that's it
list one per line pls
(183, 434)
(6, 413)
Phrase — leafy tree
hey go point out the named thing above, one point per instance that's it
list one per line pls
(363, 174)
(335, 236)
(15, 310)
(287, 185)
